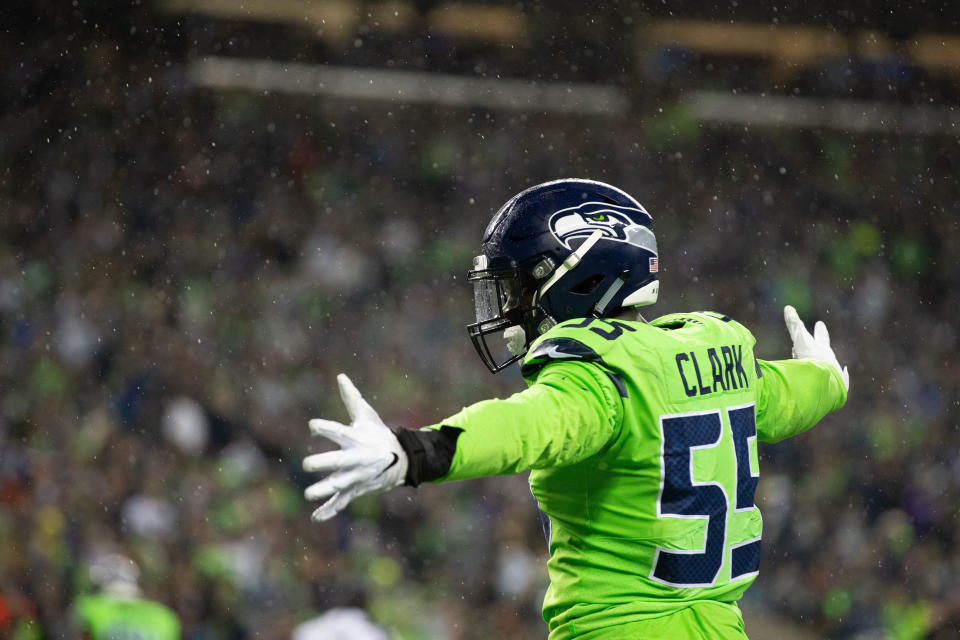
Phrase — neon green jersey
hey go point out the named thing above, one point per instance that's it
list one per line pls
(112, 618)
(642, 440)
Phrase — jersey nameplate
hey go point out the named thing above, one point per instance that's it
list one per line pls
(705, 371)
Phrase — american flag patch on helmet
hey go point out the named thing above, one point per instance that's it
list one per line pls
(653, 265)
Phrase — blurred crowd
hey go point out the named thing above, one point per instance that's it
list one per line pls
(184, 272)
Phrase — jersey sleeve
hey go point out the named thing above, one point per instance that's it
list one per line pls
(793, 395)
(570, 411)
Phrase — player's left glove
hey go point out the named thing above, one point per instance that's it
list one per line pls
(816, 346)
(370, 457)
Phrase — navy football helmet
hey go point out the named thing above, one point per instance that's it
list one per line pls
(560, 250)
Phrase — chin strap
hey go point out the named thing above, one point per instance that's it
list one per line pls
(571, 261)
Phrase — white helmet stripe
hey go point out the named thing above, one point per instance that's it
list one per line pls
(568, 264)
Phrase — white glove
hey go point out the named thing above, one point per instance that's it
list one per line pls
(816, 346)
(370, 457)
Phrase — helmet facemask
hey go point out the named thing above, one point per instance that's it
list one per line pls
(506, 318)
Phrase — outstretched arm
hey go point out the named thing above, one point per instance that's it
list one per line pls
(568, 414)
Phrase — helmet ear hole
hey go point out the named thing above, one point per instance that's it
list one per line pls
(586, 286)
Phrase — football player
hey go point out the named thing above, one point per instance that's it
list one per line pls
(641, 437)
(119, 609)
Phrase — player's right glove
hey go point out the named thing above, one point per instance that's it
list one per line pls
(816, 346)
(370, 458)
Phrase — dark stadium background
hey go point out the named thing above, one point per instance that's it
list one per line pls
(210, 208)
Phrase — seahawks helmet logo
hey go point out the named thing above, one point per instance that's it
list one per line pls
(611, 220)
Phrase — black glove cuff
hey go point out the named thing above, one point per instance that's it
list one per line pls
(429, 452)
